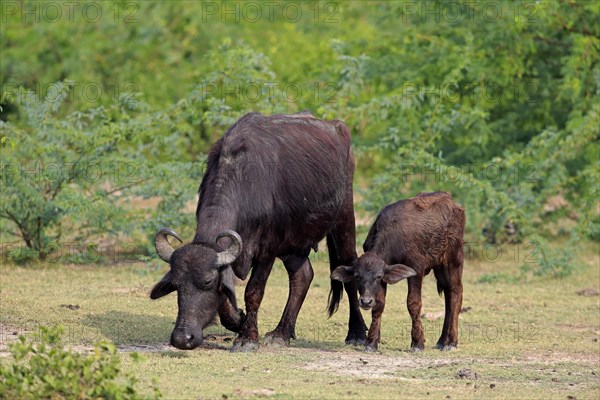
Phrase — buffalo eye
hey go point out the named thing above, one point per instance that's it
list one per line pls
(379, 276)
(208, 283)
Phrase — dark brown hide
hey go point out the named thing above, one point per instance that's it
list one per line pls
(283, 183)
(409, 239)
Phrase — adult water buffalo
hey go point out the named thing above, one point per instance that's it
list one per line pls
(274, 187)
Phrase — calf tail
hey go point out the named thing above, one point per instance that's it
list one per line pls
(337, 287)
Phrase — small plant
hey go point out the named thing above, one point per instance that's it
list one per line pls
(46, 370)
(555, 263)
(500, 277)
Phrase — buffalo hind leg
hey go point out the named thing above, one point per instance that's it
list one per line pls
(341, 242)
(300, 273)
(413, 302)
(357, 329)
(247, 339)
(342, 251)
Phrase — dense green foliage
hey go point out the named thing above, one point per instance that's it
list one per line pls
(495, 102)
(46, 370)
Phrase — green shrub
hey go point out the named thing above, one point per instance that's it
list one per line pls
(501, 112)
(46, 370)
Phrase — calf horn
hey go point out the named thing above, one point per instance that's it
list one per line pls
(229, 255)
(162, 245)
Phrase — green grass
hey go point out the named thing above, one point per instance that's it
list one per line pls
(532, 340)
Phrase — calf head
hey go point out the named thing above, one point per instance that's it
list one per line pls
(370, 274)
(203, 279)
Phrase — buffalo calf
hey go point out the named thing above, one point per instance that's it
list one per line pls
(409, 239)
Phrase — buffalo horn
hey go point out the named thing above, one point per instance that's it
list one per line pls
(162, 245)
(229, 255)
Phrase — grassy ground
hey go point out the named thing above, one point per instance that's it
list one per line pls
(531, 340)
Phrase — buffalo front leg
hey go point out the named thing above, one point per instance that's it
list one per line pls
(374, 335)
(247, 339)
(231, 318)
(413, 302)
(300, 273)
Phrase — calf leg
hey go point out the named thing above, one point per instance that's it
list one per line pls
(247, 339)
(300, 273)
(453, 302)
(374, 334)
(413, 302)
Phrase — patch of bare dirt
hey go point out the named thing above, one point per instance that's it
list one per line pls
(432, 316)
(10, 333)
(588, 292)
(146, 348)
(555, 357)
(144, 203)
(581, 328)
(374, 366)
(467, 373)
(554, 203)
(265, 392)
(129, 290)
(366, 365)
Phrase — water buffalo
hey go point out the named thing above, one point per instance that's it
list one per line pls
(274, 187)
(409, 239)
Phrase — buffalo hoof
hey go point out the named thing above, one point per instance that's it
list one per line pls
(356, 339)
(355, 342)
(445, 347)
(417, 349)
(276, 340)
(244, 346)
(369, 348)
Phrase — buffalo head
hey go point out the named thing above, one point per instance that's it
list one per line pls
(203, 279)
(370, 273)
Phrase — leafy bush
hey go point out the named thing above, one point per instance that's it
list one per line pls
(510, 102)
(70, 179)
(46, 370)
(56, 167)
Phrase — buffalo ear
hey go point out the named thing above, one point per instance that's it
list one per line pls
(395, 273)
(163, 288)
(343, 273)
(227, 285)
